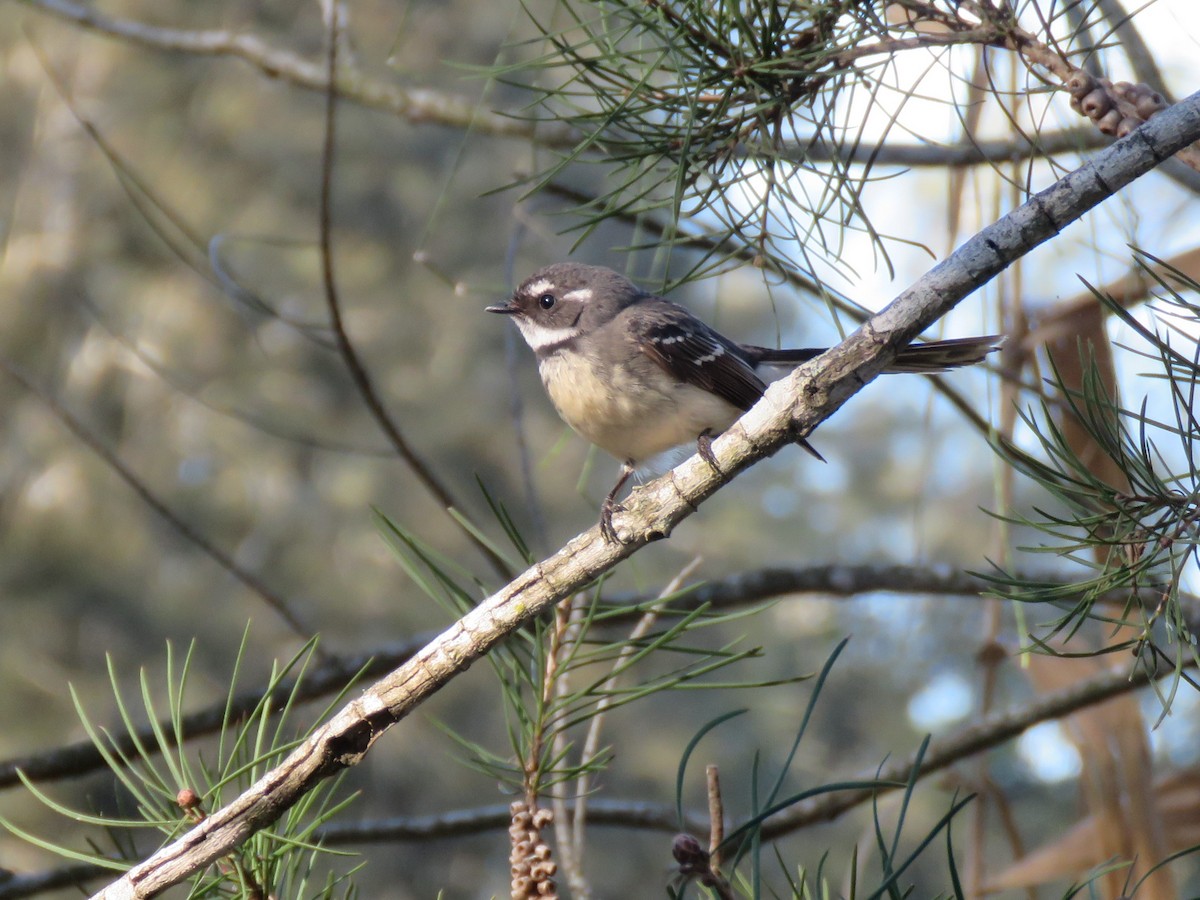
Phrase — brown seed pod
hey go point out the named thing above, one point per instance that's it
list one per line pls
(686, 849)
(1079, 84)
(1127, 124)
(1109, 122)
(187, 799)
(1096, 104)
(1149, 103)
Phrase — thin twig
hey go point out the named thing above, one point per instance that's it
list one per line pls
(332, 675)
(591, 744)
(248, 579)
(514, 356)
(1129, 36)
(572, 864)
(716, 814)
(988, 733)
(985, 35)
(354, 364)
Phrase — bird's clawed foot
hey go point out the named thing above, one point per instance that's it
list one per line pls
(610, 505)
(704, 448)
(607, 509)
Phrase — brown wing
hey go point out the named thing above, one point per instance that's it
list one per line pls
(692, 352)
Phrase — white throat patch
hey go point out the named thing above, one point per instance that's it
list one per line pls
(539, 337)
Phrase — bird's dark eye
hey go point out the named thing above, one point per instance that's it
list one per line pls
(546, 301)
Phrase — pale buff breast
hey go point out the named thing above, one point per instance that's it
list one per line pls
(628, 417)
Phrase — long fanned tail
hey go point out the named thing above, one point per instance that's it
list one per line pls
(940, 356)
(927, 358)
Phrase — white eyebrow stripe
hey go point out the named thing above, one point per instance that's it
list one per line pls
(538, 337)
(541, 286)
(582, 295)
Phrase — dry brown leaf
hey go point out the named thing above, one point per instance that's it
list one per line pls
(1079, 850)
(1124, 818)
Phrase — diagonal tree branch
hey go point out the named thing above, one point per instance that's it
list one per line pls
(413, 104)
(790, 410)
(990, 732)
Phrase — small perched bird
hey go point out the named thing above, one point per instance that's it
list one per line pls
(637, 375)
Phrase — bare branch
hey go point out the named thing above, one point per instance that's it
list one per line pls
(964, 153)
(602, 812)
(834, 580)
(19, 886)
(334, 673)
(985, 34)
(425, 106)
(990, 732)
(458, 823)
(413, 104)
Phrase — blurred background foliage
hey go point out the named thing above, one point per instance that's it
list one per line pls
(128, 168)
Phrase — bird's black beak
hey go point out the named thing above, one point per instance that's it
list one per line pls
(508, 309)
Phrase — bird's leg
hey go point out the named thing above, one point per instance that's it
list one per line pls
(609, 506)
(704, 448)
